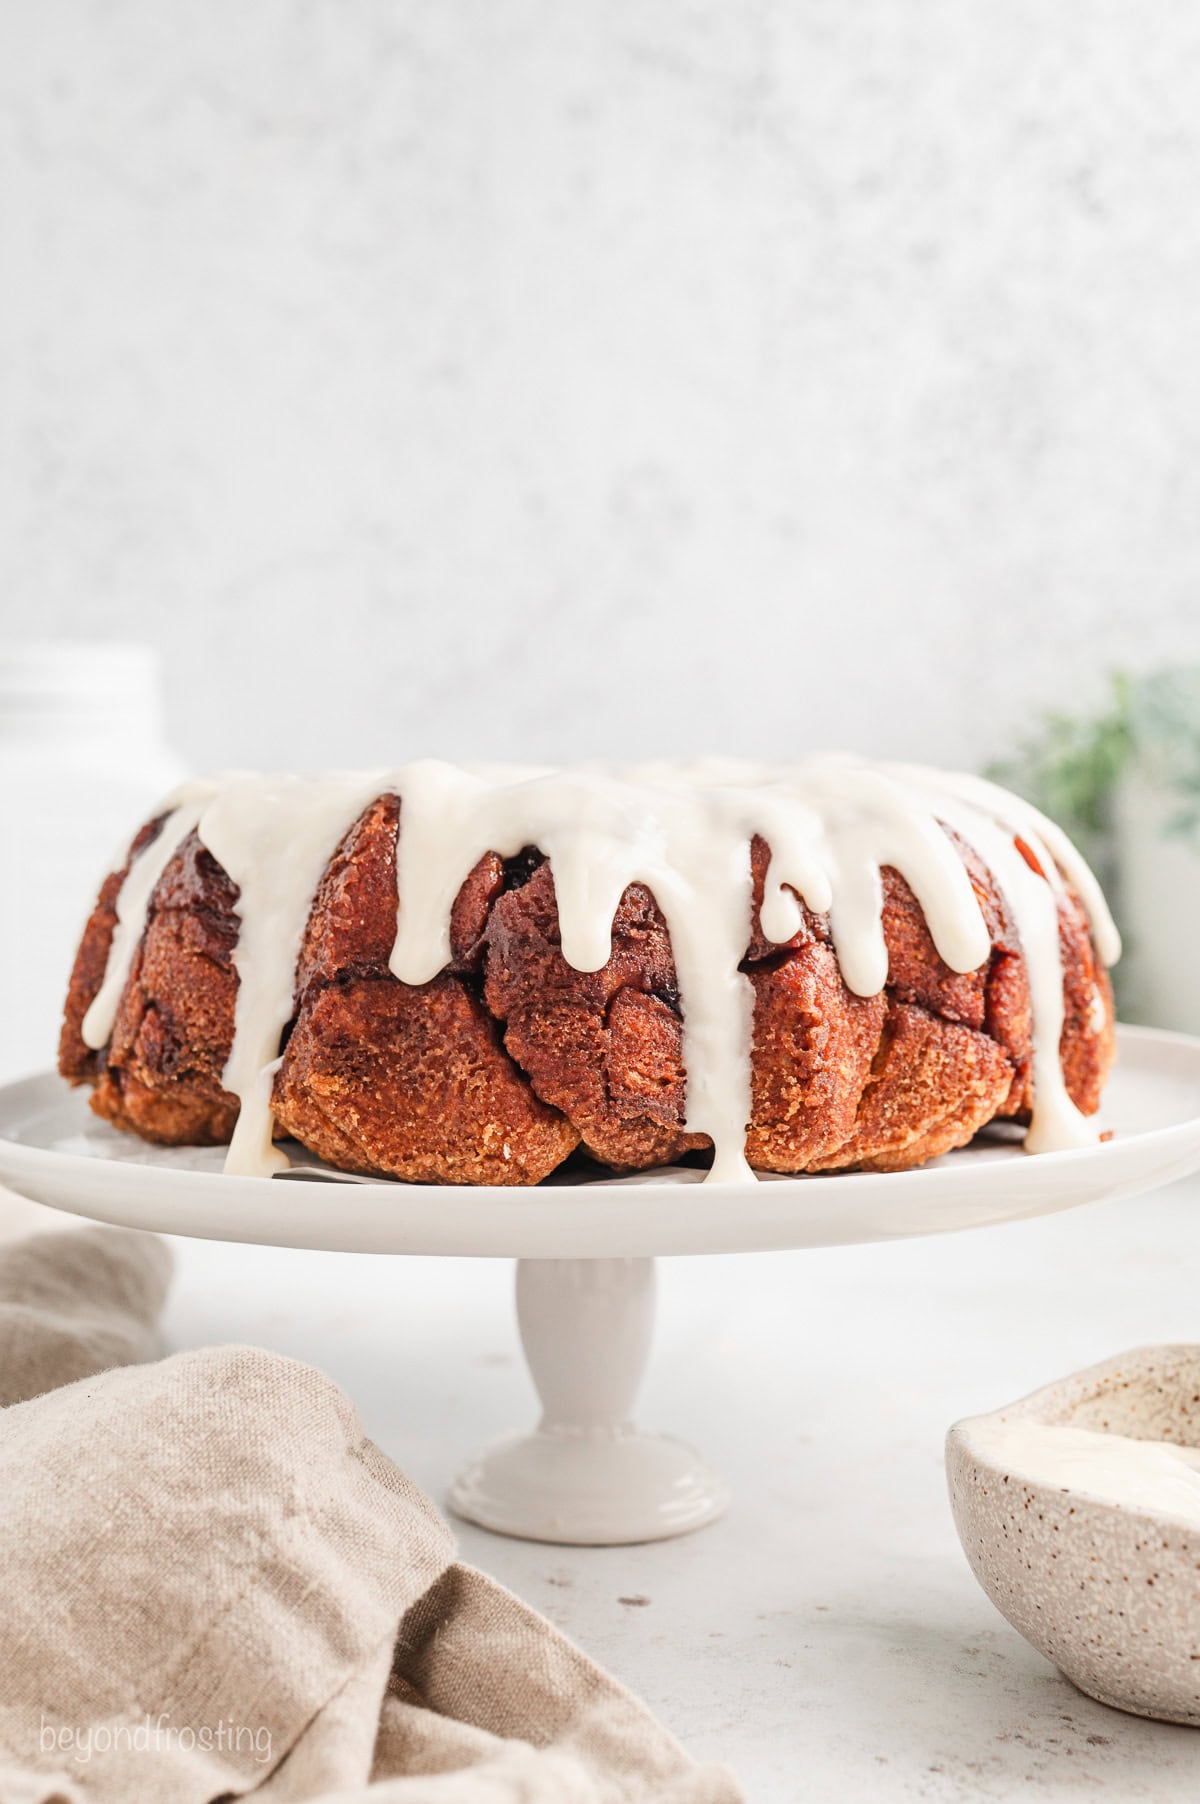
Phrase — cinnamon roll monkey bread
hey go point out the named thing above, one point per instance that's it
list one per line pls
(466, 976)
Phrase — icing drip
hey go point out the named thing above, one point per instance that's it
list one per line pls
(601, 833)
(273, 836)
(183, 809)
(991, 819)
(684, 831)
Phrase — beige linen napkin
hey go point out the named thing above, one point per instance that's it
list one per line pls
(212, 1583)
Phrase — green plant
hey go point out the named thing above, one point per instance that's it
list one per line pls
(1070, 766)
(1165, 727)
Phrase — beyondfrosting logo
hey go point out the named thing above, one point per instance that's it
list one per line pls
(156, 1735)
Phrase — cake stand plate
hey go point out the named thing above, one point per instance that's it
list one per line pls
(585, 1246)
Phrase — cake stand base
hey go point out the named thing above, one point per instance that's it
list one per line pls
(589, 1490)
(587, 1476)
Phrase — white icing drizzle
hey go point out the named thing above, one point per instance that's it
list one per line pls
(684, 831)
(273, 836)
(991, 819)
(183, 809)
(1030, 824)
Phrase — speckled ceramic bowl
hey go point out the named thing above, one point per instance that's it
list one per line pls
(1110, 1594)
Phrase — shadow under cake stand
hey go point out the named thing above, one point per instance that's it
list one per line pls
(585, 1254)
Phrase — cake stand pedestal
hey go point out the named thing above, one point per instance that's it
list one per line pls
(585, 1250)
(586, 1475)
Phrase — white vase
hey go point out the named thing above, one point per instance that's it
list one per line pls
(83, 759)
(1159, 878)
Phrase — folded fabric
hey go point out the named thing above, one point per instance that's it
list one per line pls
(214, 1584)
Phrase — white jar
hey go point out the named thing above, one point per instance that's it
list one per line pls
(83, 760)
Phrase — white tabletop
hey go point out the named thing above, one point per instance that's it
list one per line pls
(826, 1639)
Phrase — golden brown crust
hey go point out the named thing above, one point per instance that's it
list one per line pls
(174, 1027)
(510, 1058)
(415, 1083)
(603, 1046)
(1089, 1041)
(381, 1077)
(814, 1043)
(932, 1085)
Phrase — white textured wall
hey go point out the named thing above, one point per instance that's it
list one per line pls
(548, 378)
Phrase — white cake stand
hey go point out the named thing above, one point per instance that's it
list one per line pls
(585, 1259)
